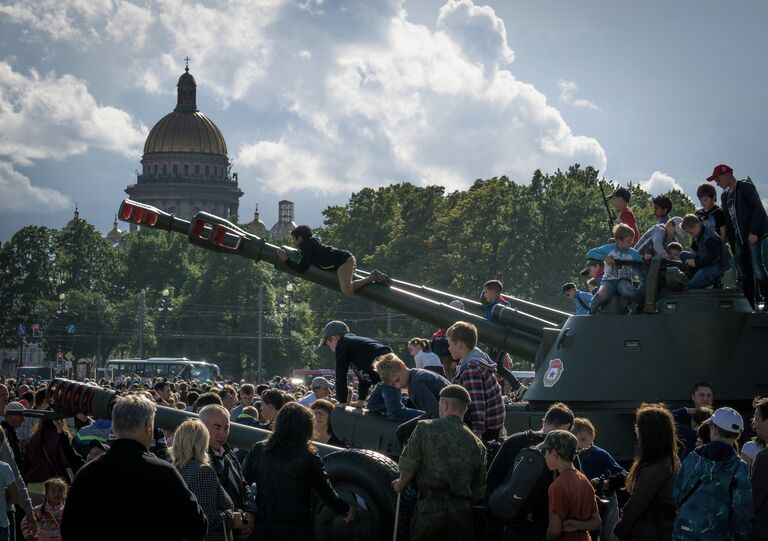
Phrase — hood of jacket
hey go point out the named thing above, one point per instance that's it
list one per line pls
(713, 460)
(477, 358)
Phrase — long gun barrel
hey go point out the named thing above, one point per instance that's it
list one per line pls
(70, 398)
(551, 316)
(220, 235)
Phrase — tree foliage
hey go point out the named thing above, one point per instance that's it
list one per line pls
(532, 236)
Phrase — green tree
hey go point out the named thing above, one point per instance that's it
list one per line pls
(27, 278)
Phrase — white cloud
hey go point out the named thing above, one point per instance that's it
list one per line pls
(57, 117)
(70, 20)
(567, 91)
(357, 95)
(130, 24)
(17, 194)
(401, 102)
(477, 31)
(660, 183)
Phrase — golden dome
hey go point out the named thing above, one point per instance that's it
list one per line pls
(186, 132)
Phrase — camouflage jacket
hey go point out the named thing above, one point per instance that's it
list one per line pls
(713, 495)
(446, 457)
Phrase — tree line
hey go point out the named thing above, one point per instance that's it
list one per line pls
(532, 236)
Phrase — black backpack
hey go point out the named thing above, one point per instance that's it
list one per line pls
(513, 498)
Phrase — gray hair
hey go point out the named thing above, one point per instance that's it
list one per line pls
(212, 409)
(131, 413)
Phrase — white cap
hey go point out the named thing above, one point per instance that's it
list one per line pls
(456, 303)
(727, 419)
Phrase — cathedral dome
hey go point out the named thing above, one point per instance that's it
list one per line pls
(186, 132)
(186, 129)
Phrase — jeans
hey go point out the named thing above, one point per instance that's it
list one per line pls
(704, 276)
(749, 258)
(12, 526)
(388, 400)
(609, 288)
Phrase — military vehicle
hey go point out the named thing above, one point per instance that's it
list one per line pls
(602, 365)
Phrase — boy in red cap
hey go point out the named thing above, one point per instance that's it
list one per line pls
(746, 226)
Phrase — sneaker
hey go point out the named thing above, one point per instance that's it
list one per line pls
(381, 278)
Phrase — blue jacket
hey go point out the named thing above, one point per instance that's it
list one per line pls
(597, 462)
(582, 309)
(99, 430)
(713, 495)
(424, 388)
(614, 272)
(489, 308)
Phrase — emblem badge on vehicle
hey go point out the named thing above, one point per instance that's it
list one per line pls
(553, 373)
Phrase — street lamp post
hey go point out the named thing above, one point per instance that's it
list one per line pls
(289, 289)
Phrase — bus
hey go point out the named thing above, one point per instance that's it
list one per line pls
(165, 367)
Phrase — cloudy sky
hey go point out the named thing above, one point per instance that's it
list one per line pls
(317, 99)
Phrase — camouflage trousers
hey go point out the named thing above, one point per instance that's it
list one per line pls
(442, 520)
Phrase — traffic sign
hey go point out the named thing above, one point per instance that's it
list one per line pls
(21, 329)
(69, 356)
(70, 329)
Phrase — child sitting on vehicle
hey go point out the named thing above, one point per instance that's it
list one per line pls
(618, 257)
(313, 252)
(709, 257)
(581, 299)
(674, 249)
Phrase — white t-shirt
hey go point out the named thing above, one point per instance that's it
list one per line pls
(7, 478)
(751, 448)
(424, 359)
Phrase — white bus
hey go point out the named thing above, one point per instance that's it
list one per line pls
(165, 367)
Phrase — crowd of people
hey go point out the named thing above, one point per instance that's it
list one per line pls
(690, 479)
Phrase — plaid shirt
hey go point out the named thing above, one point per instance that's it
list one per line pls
(476, 374)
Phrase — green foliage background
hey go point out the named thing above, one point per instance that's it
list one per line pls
(532, 236)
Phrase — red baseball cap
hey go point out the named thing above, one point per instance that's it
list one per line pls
(719, 170)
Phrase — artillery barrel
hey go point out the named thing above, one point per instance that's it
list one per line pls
(552, 316)
(520, 320)
(220, 235)
(70, 397)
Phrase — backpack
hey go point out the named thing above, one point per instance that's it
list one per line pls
(517, 493)
(439, 347)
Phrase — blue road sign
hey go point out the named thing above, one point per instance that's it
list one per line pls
(22, 329)
(70, 329)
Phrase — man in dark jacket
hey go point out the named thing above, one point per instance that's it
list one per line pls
(312, 252)
(746, 226)
(531, 524)
(224, 461)
(355, 352)
(135, 510)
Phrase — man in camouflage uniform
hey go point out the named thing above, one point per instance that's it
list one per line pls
(448, 462)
